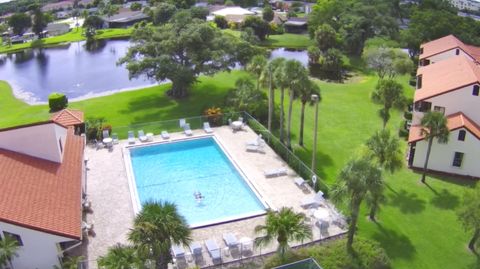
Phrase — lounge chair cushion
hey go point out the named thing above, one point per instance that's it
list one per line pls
(275, 172)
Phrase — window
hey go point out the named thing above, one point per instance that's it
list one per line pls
(457, 159)
(419, 81)
(457, 52)
(440, 109)
(421, 50)
(423, 106)
(461, 135)
(60, 144)
(14, 236)
(476, 89)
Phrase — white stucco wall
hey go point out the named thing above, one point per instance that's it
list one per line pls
(39, 250)
(41, 141)
(447, 54)
(441, 156)
(460, 100)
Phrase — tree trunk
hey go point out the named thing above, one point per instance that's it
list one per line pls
(353, 225)
(430, 141)
(289, 120)
(373, 210)
(162, 261)
(302, 120)
(271, 99)
(471, 244)
(282, 99)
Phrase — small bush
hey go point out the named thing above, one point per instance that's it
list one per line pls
(407, 115)
(214, 115)
(57, 101)
(403, 133)
(221, 22)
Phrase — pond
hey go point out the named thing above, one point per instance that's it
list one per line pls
(80, 73)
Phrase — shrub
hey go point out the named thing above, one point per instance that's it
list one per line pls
(57, 101)
(407, 115)
(214, 115)
(221, 22)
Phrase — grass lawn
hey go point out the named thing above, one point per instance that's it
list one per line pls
(74, 35)
(417, 225)
(292, 41)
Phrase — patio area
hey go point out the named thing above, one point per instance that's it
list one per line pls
(113, 212)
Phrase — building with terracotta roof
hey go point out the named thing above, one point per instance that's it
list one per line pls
(70, 118)
(451, 86)
(43, 182)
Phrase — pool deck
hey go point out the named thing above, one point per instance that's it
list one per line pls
(113, 211)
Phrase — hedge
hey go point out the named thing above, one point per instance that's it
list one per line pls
(57, 101)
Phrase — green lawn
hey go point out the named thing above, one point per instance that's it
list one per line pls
(417, 225)
(292, 41)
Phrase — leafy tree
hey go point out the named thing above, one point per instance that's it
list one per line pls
(314, 54)
(246, 98)
(434, 125)
(221, 22)
(120, 256)
(8, 250)
(155, 229)
(256, 66)
(249, 36)
(267, 79)
(305, 94)
(19, 23)
(39, 22)
(93, 21)
(282, 83)
(469, 214)
(359, 177)
(386, 151)
(260, 27)
(244, 52)
(331, 62)
(108, 8)
(136, 6)
(387, 62)
(199, 12)
(267, 13)
(388, 93)
(284, 226)
(163, 12)
(325, 37)
(180, 51)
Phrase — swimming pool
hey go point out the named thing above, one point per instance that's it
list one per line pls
(180, 172)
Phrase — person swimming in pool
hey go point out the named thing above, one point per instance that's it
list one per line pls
(198, 196)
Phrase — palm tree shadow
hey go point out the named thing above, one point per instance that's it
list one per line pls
(408, 203)
(445, 200)
(323, 160)
(396, 245)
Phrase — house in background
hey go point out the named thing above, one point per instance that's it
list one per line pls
(296, 25)
(444, 48)
(125, 18)
(451, 86)
(43, 182)
(473, 5)
(54, 29)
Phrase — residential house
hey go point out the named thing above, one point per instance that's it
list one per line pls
(444, 48)
(473, 5)
(124, 19)
(43, 182)
(61, 5)
(54, 29)
(296, 25)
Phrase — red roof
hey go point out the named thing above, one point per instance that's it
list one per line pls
(455, 121)
(447, 43)
(67, 117)
(445, 76)
(43, 195)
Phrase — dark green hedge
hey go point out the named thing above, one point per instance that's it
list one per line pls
(57, 101)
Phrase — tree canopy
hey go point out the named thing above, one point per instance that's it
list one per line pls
(260, 27)
(19, 23)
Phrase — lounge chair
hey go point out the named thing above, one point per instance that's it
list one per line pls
(178, 251)
(275, 172)
(230, 240)
(131, 137)
(115, 138)
(196, 248)
(187, 130)
(141, 136)
(257, 142)
(206, 128)
(300, 182)
(98, 144)
(165, 135)
(182, 122)
(105, 134)
(252, 148)
(246, 245)
(213, 250)
(316, 200)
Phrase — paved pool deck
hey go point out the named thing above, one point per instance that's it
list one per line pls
(113, 211)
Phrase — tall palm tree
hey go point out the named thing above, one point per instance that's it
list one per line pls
(282, 84)
(155, 229)
(284, 226)
(8, 250)
(306, 95)
(119, 257)
(266, 79)
(256, 66)
(385, 149)
(297, 78)
(72, 263)
(359, 177)
(388, 93)
(434, 125)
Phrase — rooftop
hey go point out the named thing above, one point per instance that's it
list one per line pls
(447, 43)
(68, 117)
(126, 16)
(232, 11)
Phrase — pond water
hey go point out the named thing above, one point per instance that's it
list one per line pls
(80, 73)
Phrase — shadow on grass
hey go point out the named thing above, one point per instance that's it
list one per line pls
(461, 181)
(407, 202)
(323, 160)
(445, 200)
(397, 246)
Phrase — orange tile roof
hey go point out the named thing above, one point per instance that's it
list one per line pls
(68, 117)
(445, 76)
(454, 121)
(43, 195)
(447, 43)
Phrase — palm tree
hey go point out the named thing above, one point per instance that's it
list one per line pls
(385, 149)
(296, 77)
(306, 95)
(284, 226)
(469, 214)
(281, 83)
(256, 66)
(434, 125)
(119, 257)
(155, 229)
(388, 93)
(359, 177)
(8, 250)
(266, 78)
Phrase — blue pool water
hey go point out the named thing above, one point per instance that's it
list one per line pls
(175, 171)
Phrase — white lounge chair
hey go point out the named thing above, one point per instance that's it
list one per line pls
(141, 136)
(206, 128)
(316, 200)
(275, 172)
(196, 248)
(115, 138)
(253, 148)
(187, 130)
(257, 142)
(165, 135)
(131, 137)
(105, 134)
(300, 182)
(178, 251)
(213, 250)
(182, 122)
(230, 240)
